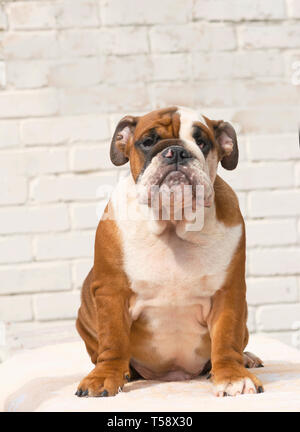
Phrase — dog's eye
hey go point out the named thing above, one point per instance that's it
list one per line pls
(203, 145)
(147, 142)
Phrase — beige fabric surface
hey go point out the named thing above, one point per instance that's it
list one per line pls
(45, 379)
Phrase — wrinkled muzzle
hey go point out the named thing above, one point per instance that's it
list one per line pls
(177, 179)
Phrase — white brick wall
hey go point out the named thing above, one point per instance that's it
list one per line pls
(69, 69)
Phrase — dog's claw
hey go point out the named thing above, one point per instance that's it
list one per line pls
(85, 393)
(127, 377)
(260, 389)
(78, 392)
(104, 393)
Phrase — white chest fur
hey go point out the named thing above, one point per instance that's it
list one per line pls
(168, 271)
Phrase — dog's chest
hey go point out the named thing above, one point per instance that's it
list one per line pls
(168, 270)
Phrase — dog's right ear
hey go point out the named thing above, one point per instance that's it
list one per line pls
(124, 131)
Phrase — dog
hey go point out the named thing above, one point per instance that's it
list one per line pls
(163, 301)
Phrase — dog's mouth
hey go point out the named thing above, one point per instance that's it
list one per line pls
(174, 177)
(177, 181)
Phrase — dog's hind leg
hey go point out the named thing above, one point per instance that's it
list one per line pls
(86, 322)
(251, 360)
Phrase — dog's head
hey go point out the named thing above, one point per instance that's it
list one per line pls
(174, 146)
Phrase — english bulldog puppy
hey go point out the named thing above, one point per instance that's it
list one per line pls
(165, 301)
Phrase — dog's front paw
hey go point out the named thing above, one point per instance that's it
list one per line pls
(106, 379)
(233, 380)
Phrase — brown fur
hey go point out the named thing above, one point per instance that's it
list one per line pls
(164, 121)
(103, 319)
(227, 321)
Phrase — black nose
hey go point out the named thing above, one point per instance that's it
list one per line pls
(176, 154)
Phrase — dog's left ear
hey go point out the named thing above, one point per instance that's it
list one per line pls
(227, 140)
(124, 131)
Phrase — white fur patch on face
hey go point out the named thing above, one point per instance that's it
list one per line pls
(187, 118)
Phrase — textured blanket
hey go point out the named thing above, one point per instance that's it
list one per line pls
(45, 379)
